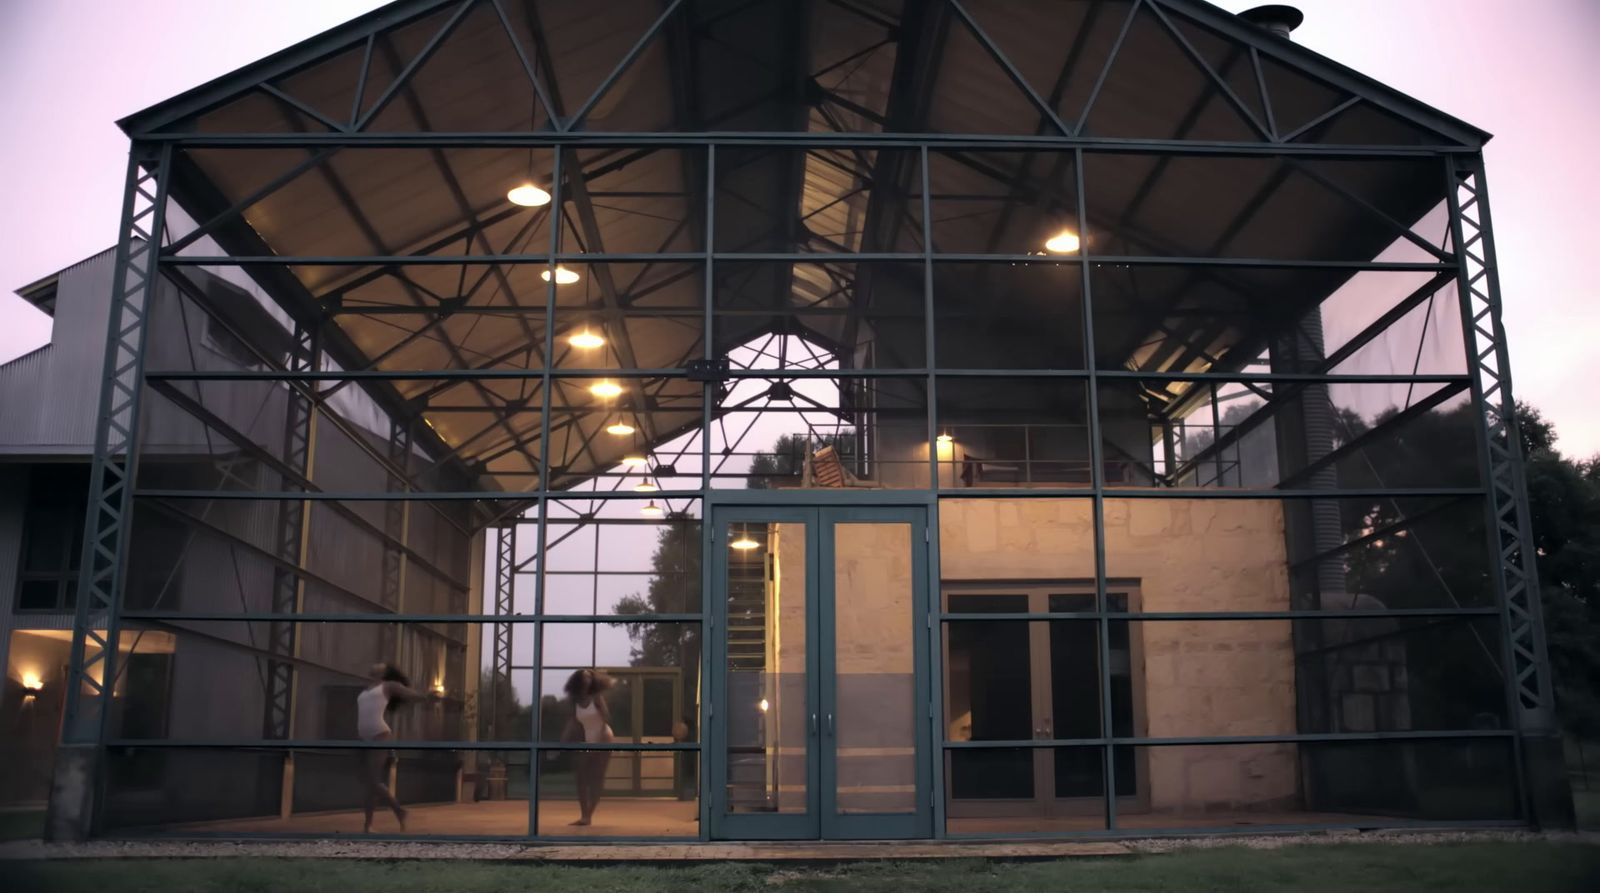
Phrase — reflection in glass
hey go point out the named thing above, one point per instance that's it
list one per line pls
(768, 719)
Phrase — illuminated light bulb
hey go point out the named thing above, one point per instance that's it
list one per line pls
(744, 543)
(605, 389)
(651, 509)
(645, 487)
(620, 429)
(635, 461)
(1064, 242)
(528, 196)
(32, 681)
(763, 706)
(945, 439)
(564, 276)
(584, 340)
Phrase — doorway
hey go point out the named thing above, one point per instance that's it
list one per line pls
(1023, 664)
(820, 699)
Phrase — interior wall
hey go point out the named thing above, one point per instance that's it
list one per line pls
(1201, 677)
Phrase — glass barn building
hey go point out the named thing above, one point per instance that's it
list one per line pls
(938, 419)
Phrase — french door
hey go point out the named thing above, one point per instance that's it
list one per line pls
(820, 696)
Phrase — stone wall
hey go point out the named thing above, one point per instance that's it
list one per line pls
(1191, 678)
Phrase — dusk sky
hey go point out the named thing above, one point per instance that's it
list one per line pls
(1525, 70)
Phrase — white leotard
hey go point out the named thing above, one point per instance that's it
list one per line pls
(594, 725)
(370, 706)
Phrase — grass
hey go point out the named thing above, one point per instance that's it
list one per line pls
(1524, 867)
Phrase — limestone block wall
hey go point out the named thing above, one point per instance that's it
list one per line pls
(1192, 678)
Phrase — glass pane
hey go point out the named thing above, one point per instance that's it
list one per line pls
(875, 663)
(648, 676)
(630, 793)
(988, 681)
(766, 667)
(1320, 783)
(444, 793)
(991, 791)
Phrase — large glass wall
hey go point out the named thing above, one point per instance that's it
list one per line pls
(1194, 424)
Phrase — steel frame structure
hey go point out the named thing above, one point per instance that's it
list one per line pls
(1468, 261)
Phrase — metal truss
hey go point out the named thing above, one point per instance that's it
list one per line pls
(92, 669)
(504, 606)
(396, 524)
(1501, 447)
(288, 585)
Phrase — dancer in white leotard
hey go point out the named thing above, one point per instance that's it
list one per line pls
(593, 717)
(387, 685)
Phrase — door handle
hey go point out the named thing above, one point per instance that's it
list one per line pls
(830, 725)
(813, 725)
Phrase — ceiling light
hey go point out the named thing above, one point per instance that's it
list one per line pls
(585, 339)
(744, 543)
(645, 487)
(1064, 242)
(651, 509)
(605, 389)
(528, 196)
(635, 461)
(564, 276)
(621, 429)
(945, 438)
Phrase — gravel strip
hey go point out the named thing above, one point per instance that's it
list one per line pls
(1276, 841)
(386, 850)
(309, 849)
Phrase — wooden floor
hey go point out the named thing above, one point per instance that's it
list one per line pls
(616, 817)
(659, 817)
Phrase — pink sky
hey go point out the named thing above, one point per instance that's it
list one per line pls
(1525, 71)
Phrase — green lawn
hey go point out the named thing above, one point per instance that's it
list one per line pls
(1368, 868)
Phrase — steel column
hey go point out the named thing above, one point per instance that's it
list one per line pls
(1547, 792)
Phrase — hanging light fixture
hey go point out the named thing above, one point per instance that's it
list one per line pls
(564, 276)
(1064, 242)
(945, 439)
(634, 460)
(619, 428)
(586, 339)
(651, 510)
(526, 193)
(645, 487)
(605, 389)
(528, 196)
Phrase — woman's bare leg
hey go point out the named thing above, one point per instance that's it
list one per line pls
(378, 789)
(596, 770)
(580, 775)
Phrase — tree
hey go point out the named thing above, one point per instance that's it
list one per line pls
(786, 459)
(501, 714)
(1564, 500)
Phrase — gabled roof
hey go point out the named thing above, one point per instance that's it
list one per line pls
(1134, 73)
(618, 33)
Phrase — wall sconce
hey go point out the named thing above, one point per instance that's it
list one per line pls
(32, 685)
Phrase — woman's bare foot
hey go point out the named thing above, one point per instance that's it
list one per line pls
(581, 822)
(400, 816)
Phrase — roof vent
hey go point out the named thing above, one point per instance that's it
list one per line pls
(1276, 17)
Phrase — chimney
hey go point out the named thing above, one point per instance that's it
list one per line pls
(1277, 18)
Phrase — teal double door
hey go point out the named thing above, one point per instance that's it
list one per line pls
(820, 691)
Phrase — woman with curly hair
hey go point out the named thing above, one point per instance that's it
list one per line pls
(589, 723)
